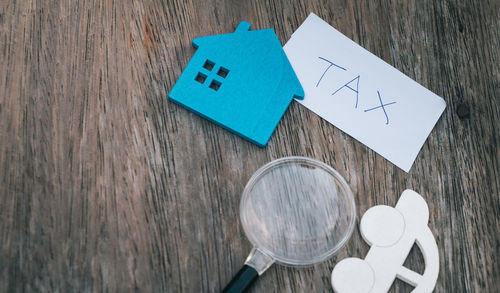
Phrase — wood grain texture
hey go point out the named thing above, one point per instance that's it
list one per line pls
(107, 186)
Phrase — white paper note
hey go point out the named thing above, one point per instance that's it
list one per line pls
(361, 94)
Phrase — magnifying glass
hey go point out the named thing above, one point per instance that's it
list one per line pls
(296, 211)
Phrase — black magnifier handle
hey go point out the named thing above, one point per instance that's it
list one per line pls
(242, 280)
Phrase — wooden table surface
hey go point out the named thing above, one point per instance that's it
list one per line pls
(105, 185)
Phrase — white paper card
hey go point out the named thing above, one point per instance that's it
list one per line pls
(361, 94)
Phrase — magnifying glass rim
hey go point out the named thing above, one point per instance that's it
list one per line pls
(283, 161)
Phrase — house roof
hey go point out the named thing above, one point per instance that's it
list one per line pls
(259, 49)
(243, 27)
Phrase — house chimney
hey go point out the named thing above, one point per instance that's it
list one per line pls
(242, 27)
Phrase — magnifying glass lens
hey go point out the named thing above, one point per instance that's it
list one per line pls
(296, 211)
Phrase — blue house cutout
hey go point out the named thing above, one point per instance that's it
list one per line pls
(242, 81)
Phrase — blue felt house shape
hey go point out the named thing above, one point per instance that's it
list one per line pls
(242, 81)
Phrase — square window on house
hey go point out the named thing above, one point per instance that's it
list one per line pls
(209, 65)
(222, 72)
(200, 77)
(215, 85)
